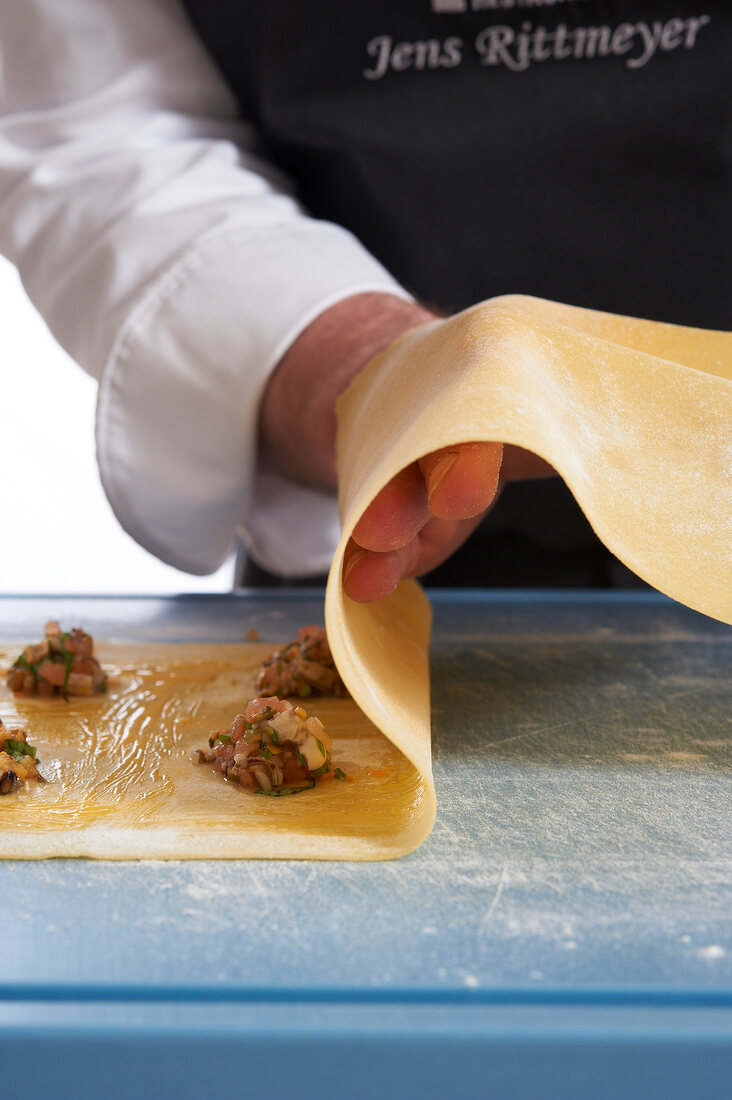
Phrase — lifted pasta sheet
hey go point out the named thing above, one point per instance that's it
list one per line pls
(634, 415)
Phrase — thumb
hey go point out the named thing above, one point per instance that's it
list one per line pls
(462, 480)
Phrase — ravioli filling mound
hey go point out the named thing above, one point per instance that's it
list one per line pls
(274, 748)
(302, 667)
(62, 664)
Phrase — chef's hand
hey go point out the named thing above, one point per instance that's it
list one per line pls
(427, 510)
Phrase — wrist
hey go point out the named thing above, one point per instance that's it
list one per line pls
(297, 417)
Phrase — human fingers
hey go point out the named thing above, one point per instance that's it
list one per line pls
(396, 514)
(370, 575)
(461, 481)
(420, 517)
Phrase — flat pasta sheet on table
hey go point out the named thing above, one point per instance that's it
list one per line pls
(122, 785)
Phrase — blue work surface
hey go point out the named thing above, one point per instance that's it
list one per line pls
(565, 932)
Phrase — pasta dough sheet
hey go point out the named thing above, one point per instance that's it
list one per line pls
(123, 786)
(635, 416)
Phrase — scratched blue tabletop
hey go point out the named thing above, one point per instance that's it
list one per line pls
(565, 931)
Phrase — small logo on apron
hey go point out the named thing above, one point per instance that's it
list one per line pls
(443, 7)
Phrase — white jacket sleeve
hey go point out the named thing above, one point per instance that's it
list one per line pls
(171, 262)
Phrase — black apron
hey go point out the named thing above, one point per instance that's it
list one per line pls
(577, 151)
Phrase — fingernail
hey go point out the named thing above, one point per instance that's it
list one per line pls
(440, 471)
(354, 559)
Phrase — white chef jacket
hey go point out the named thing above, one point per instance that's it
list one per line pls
(173, 263)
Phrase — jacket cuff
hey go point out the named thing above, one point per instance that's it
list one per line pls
(178, 399)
